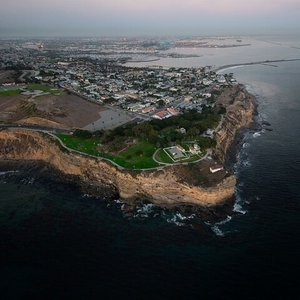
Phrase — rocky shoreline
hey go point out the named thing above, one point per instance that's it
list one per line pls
(163, 187)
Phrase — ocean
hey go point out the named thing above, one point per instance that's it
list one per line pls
(57, 243)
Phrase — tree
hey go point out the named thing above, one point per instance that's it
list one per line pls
(82, 133)
(144, 130)
(161, 103)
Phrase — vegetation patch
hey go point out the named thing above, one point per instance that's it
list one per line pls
(133, 146)
(163, 157)
(45, 89)
(10, 92)
(137, 156)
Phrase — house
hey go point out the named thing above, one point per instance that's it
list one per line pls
(181, 130)
(163, 114)
(194, 149)
(173, 111)
(148, 109)
(216, 168)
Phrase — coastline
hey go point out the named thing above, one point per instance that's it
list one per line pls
(164, 188)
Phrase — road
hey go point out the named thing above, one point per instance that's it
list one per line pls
(36, 128)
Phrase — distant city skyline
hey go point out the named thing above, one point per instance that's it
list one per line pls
(145, 17)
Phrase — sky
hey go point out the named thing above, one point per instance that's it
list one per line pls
(147, 17)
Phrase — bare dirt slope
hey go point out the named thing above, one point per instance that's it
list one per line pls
(68, 111)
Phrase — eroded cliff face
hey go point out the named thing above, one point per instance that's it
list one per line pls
(240, 110)
(162, 187)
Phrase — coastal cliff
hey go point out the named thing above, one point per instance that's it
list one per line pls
(164, 187)
(240, 110)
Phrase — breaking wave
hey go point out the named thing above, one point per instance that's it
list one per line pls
(8, 173)
(216, 227)
(256, 134)
(179, 219)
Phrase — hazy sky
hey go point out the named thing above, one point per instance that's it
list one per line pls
(151, 17)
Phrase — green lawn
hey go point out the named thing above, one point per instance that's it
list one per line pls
(138, 156)
(44, 88)
(33, 86)
(193, 158)
(163, 157)
(10, 92)
(41, 87)
(88, 146)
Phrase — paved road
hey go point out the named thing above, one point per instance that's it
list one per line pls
(36, 128)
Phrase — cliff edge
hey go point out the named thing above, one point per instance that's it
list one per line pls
(240, 110)
(164, 187)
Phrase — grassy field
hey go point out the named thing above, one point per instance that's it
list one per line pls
(44, 88)
(88, 146)
(138, 156)
(33, 86)
(163, 157)
(10, 92)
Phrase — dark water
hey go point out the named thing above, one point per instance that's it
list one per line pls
(56, 243)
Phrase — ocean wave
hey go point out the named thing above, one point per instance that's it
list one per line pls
(237, 207)
(217, 231)
(118, 201)
(8, 173)
(240, 185)
(246, 163)
(216, 226)
(29, 180)
(87, 196)
(256, 134)
(180, 220)
(145, 211)
(246, 145)
(228, 219)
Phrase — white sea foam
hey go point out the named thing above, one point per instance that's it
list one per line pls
(145, 211)
(118, 201)
(217, 231)
(175, 221)
(216, 227)
(237, 207)
(246, 145)
(228, 219)
(8, 172)
(179, 219)
(239, 185)
(256, 134)
(87, 196)
(29, 180)
(246, 163)
(147, 208)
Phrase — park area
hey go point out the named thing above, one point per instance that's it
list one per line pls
(136, 156)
